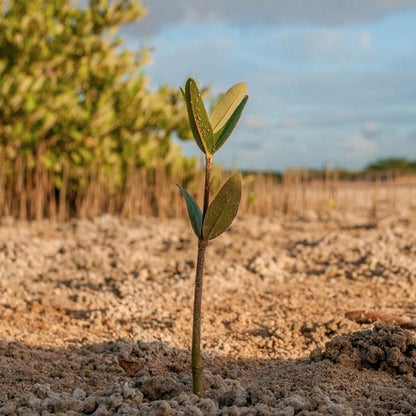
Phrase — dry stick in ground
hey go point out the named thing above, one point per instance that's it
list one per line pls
(368, 317)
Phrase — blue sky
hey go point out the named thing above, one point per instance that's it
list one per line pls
(329, 80)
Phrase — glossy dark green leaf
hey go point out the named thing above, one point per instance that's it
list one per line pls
(198, 118)
(223, 208)
(195, 132)
(194, 212)
(226, 106)
(222, 135)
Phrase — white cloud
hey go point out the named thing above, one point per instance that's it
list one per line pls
(323, 40)
(359, 147)
(312, 43)
(370, 129)
(338, 119)
(364, 41)
(289, 123)
(244, 12)
(254, 122)
(337, 91)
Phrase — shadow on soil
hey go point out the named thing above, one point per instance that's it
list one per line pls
(100, 366)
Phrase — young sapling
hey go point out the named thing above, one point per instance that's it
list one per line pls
(210, 133)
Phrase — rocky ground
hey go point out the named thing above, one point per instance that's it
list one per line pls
(95, 317)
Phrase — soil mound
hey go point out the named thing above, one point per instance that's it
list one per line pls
(386, 347)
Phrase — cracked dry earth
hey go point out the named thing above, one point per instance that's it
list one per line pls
(95, 317)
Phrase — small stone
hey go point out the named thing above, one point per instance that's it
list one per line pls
(116, 400)
(208, 407)
(72, 413)
(315, 355)
(89, 405)
(42, 390)
(230, 411)
(160, 408)
(33, 402)
(258, 394)
(296, 402)
(102, 410)
(285, 411)
(237, 396)
(127, 391)
(190, 410)
(193, 398)
(138, 397)
(8, 409)
(25, 411)
(79, 394)
(127, 410)
(262, 409)
(161, 387)
(182, 398)
(339, 410)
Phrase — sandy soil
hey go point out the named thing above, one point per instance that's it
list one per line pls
(95, 317)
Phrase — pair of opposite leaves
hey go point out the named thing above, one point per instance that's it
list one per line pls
(210, 134)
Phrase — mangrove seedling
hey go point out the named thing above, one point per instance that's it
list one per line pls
(210, 133)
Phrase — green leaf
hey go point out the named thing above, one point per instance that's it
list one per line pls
(198, 118)
(226, 106)
(222, 135)
(223, 208)
(194, 212)
(30, 103)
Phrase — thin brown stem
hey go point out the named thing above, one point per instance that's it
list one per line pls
(197, 383)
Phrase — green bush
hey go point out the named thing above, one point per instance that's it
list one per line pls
(74, 98)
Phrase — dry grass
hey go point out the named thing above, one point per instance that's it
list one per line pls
(300, 194)
(28, 192)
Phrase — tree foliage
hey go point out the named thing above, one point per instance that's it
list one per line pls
(71, 95)
(398, 164)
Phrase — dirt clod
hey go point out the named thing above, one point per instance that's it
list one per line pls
(386, 347)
